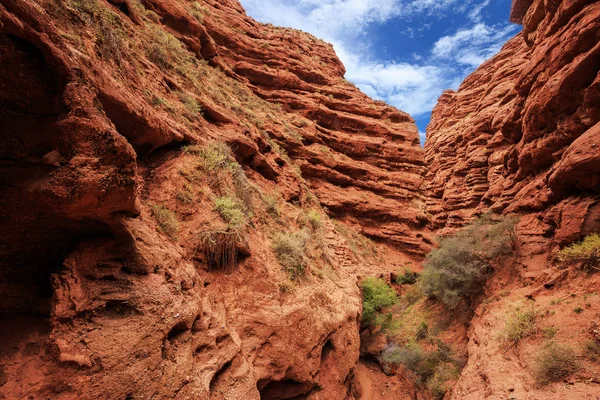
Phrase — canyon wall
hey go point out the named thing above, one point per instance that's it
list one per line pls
(115, 188)
(519, 135)
(116, 193)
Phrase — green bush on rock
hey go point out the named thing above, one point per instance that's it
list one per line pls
(458, 269)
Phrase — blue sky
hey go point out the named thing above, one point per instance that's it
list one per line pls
(405, 52)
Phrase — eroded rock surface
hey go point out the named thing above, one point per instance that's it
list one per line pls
(520, 132)
(519, 137)
(105, 292)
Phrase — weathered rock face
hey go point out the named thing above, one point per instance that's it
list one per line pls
(519, 134)
(104, 208)
(361, 158)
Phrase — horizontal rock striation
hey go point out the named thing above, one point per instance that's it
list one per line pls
(105, 292)
(361, 157)
(518, 135)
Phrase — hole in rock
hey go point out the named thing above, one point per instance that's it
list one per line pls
(284, 389)
(327, 349)
(122, 6)
(129, 124)
(218, 374)
(164, 153)
(119, 309)
(177, 331)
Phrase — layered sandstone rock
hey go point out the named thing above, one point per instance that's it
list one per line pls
(360, 157)
(99, 103)
(518, 135)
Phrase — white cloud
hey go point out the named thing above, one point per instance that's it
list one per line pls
(413, 87)
(472, 46)
(475, 13)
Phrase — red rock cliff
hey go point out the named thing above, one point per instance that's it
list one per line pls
(122, 212)
(520, 133)
(360, 157)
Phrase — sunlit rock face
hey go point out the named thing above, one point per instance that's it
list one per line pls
(520, 133)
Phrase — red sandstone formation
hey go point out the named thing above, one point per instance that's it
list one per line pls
(109, 290)
(105, 291)
(361, 158)
(518, 135)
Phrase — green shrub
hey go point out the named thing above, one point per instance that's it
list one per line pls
(414, 357)
(586, 252)
(110, 34)
(520, 323)
(167, 52)
(438, 383)
(214, 157)
(272, 205)
(231, 211)
(193, 108)
(290, 250)
(578, 310)
(313, 219)
(458, 269)
(407, 278)
(377, 295)
(166, 219)
(554, 362)
(186, 195)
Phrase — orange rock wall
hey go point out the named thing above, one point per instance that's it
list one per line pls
(520, 133)
(99, 103)
(361, 157)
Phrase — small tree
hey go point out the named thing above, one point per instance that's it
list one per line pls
(458, 269)
(377, 295)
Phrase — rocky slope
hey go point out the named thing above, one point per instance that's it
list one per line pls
(361, 158)
(519, 136)
(122, 211)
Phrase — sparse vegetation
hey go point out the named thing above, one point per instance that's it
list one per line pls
(313, 219)
(459, 268)
(290, 250)
(213, 157)
(592, 349)
(198, 11)
(166, 219)
(231, 211)
(359, 244)
(554, 362)
(433, 365)
(221, 247)
(549, 332)
(191, 105)
(407, 278)
(520, 323)
(186, 195)
(377, 295)
(577, 310)
(586, 252)
(271, 205)
(438, 383)
(110, 34)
